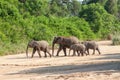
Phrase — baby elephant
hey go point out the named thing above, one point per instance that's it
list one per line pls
(38, 46)
(80, 48)
(91, 45)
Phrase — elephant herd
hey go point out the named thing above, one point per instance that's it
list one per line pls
(71, 42)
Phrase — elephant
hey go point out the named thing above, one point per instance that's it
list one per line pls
(38, 46)
(80, 48)
(64, 42)
(91, 45)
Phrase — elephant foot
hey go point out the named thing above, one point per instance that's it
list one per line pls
(39, 56)
(78, 54)
(82, 55)
(31, 56)
(73, 55)
(45, 56)
(86, 54)
(99, 53)
(57, 55)
(93, 53)
(50, 56)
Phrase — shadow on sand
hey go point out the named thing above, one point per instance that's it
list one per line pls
(113, 66)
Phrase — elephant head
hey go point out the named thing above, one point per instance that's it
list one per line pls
(31, 44)
(56, 40)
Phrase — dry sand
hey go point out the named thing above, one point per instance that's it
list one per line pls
(93, 67)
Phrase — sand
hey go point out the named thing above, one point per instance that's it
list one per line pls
(92, 67)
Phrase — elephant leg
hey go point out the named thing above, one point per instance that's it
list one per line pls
(98, 50)
(93, 51)
(60, 48)
(45, 53)
(48, 53)
(73, 53)
(85, 53)
(88, 51)
(39, 53)
(34, 50)
(82, 53)
(64, 49)
(78, 52)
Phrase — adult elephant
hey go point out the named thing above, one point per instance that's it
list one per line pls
(64, 42)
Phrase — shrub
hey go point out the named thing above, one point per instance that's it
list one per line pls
(116, 39)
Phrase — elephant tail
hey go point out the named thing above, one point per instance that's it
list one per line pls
(27, 52)
(53, 49)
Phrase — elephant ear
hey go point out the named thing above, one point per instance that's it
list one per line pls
(63, 41)
(58, 38)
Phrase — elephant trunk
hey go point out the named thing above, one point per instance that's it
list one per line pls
(53, 48)
(27, 52)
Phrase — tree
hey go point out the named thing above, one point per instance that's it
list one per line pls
(8, 10)
(58, 8)
(22, 1)
(100, 21)
(118, 3)
(76, 7)
(35, 7)
(90, 1)
(111, 7)
(65, 7)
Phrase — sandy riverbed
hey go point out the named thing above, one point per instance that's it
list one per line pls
(93, 67)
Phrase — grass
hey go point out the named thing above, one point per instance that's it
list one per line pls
(6, 49)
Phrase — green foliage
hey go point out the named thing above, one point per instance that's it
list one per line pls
(101, 22)
(116, 39)
(8, 10)
(102, 2)
(83, 27)
(36, 7)
(118, 5)
(65, 7)
(23, 20)
(111, 7)
(92, 13)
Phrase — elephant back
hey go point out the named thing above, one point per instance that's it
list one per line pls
(81, 47)
(32, 43)
(43, 43)
(78, 47)
(74, 40)
(90, 44)
(68, 41)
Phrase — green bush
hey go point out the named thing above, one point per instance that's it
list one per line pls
(116, 39)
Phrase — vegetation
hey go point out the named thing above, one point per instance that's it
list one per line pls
(116, 39)
(23, 20)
